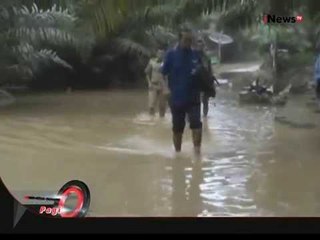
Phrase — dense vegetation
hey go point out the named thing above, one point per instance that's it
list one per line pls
(54, 44)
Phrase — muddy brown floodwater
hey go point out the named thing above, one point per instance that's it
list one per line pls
(257, 161)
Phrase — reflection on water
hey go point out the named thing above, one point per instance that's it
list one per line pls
(257, 161)
(186, 193)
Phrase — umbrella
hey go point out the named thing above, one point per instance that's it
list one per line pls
(220, 38)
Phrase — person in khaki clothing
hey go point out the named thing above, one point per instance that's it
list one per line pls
(158, 89)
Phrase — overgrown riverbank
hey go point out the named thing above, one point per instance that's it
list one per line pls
(80, 45)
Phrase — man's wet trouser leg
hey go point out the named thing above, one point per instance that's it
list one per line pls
(194, 114)
(179, 123)
(177, 141)
(318, 93)
(153, 96)
(162, 104)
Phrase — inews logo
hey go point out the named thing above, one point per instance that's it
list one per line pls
(269, 18)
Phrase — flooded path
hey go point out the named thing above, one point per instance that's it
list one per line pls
(257, 161)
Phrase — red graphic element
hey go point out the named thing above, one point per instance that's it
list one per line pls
(42, 209)
(80, 196)
(81, 192)
(49, 211)
(265, 19)
(299, 18)
(55, 211)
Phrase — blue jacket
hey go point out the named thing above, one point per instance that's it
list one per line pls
(317, 69)
(180, 66)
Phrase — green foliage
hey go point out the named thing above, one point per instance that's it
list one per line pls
(38, 38)
(136, 20)
(129, 46)
(107, 16)
(39, 18)
(162, 36)
(42, 33)
(241, 14)
(36, 59)
(299, 60)
(54, 26)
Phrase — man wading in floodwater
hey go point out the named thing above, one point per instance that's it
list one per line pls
(180, 66)
(158, 90)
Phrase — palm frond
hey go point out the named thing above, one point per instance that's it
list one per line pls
(39, 18)
(52, 27)
(47, 35)
(4, 13)
(34, 60)
(109, 16)
(161, 36)
(47, 4)
(128, 46)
